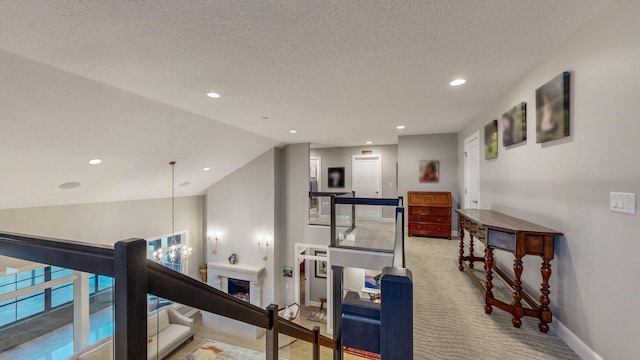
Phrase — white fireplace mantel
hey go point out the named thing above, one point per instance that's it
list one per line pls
(218, 275)
(243, 272)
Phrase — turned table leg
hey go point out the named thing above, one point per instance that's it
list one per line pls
(545, 313)
(471, 257)
(517, 292)
(488, 294)
(461, 256)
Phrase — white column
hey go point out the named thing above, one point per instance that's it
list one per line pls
(80, 311)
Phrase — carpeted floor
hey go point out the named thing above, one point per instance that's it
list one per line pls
(449, 320)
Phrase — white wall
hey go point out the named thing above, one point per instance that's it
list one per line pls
(342, 157)
(565, 184)
(110, 222)
(240, 208)
(442, 147)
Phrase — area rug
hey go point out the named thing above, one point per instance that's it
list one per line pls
(216, 350)
(360, 353)
(318, 316)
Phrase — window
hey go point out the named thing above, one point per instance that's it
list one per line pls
(167, 250)
(43, 300)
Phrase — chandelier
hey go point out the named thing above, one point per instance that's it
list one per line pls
(175, 253)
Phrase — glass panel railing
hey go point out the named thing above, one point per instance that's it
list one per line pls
(92, 296)
(320, 208)
(42, 309)
(36, 310)
(367, 228)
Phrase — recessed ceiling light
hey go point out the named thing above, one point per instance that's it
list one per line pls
(369, 142)
(213, 95)
(69, 185)
(400, 127)
(206, 169)
(293, 131)
(95, 161)
(457, 82)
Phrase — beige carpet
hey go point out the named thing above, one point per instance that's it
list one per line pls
(449, 320)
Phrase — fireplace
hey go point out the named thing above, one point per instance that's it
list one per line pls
(239, 289)
(243, 281)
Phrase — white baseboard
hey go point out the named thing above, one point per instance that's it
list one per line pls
(583, 350)
(314, 303)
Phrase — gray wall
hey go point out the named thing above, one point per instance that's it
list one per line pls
(107, 223)
(317, 286)
(443, 147)
(242, 207)
(294, 218)
(342, 157)
(565, 184)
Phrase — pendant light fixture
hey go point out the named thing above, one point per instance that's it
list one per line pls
(174, 251)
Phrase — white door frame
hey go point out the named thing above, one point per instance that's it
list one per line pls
(355, 158)
(474, 137)
(306, 248)
(319, 178)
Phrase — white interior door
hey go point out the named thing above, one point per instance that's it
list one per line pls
(366, 181)
(472, 172)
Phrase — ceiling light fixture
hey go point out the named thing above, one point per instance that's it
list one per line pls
(293, 131)
(206, 169)
(175, 253)
(369, 142)
(400, 127)
(213, 95)
(95, 161)
(457, 82)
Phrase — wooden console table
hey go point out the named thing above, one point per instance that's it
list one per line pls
(498, 231)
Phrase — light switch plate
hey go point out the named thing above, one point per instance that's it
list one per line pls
(623, 202)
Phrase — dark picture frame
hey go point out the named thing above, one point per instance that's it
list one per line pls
(335, 177)
(321, 266)
(491, 140)
(552, 108)
(514, 125)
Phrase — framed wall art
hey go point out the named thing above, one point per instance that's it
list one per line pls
(321, 266)
(552, 109)
(336, 177)
(429, 171)
(514, 125)
(491, 140)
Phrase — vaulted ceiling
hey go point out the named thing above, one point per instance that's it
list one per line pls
(125, 81)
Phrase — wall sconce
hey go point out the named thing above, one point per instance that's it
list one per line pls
(215, 244)
(265, 254)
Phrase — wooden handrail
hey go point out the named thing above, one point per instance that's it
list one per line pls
(93, 258)
(161, 281)
(304, 334)
(174, 286)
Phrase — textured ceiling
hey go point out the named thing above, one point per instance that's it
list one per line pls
(339, 72)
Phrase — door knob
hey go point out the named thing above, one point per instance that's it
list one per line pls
(474, 201)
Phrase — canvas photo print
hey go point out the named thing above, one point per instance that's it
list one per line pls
(336, 177)
(491, 140)
(429, 171)
(552, 109)
(514, 125)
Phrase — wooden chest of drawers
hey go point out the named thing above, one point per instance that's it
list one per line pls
(429, 214)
